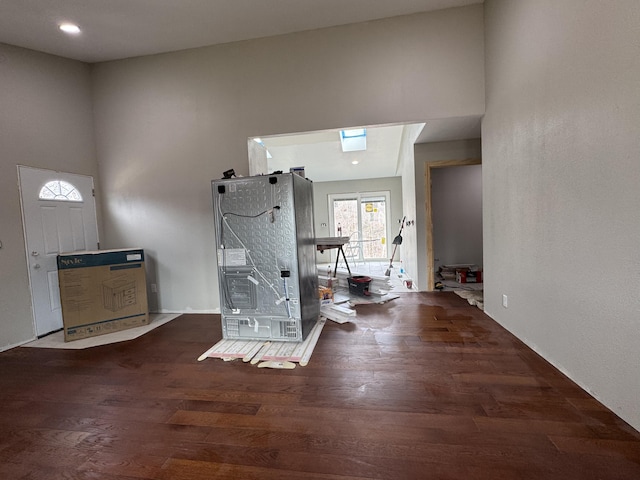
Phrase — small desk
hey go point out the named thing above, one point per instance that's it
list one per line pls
(329, 243)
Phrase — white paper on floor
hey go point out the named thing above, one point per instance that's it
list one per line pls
(56, 340)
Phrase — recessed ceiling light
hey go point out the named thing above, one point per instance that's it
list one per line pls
(70, 28)
(355, 162)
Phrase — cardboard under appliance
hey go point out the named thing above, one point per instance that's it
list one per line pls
(102, 292)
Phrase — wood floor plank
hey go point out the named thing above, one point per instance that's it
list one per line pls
(424, 386)
(195, 470)
(131, 464)
(597, 446)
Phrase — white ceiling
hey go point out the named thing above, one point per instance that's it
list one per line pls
(320, 153)
(117, 29)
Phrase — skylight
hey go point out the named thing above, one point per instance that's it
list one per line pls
(354, 140)
(259, 141)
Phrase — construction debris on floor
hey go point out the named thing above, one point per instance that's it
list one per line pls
(338, 313)
(378, 290)
(267, 354)
(474, 297)
(336, 305)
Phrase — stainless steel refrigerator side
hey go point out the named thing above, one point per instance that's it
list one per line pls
(266, 256)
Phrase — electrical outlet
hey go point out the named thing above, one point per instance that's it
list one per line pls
(505, 301)
(154, 288)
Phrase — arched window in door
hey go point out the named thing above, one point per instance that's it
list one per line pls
(60, 190)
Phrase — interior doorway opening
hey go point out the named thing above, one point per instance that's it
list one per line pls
(387, 162)
(433, 262)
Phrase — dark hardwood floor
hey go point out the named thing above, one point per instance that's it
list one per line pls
(423, 387)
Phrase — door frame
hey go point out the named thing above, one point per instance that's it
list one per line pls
(429, 212)
(54, 173)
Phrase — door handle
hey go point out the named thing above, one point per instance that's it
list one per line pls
(34, 254)
(36, 266)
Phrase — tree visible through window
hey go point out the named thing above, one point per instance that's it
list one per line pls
(363, 217)
(60, 190)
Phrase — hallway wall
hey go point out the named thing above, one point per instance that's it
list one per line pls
(560, 153)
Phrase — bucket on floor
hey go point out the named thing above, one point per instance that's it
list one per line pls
(359, 284)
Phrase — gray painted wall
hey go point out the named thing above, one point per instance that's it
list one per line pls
(409, 251)
(168, 124)
(561, 175)
(45, 122)
(456, 195)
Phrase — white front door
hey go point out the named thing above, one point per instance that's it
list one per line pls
(59, 215)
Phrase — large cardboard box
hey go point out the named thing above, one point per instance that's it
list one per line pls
(102, 292)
